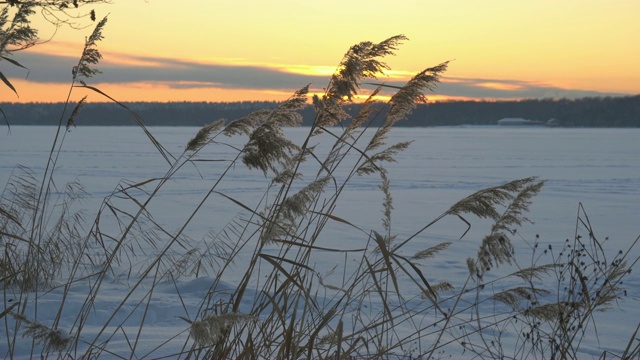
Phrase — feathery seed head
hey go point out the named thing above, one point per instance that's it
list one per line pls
(90, 54)
(267, 147)
(211, 329)
(18, 33)
(412, 93)
(292, 208)
(50, 339)
(204, 136)
(430, 252)
(360, 62)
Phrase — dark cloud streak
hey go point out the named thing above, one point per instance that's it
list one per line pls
(57, 69)
(182, 74)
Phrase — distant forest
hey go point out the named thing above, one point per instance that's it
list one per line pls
(585, 112)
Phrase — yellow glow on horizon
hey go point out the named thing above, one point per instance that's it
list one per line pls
(306, 69)
(158, 92)
(499, 86)
(135, 92)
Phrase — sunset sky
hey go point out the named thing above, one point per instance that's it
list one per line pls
(209, 50)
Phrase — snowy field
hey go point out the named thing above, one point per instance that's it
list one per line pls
(599, 168)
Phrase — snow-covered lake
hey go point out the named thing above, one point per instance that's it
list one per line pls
(599, 168)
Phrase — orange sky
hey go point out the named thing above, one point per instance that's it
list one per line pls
(206, 50)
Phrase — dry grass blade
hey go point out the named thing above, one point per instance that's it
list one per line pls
(336, 218)
(431, 294)
(8, 310)
(277, 263)
(21, 193)
(281, 317)
(386, 255)
(315, 247)
(583, 285)
(6, 215)
(164, 152)
(8, 83)
(138, 185)
(630, 353)
(378, 289)
(323, 323)
(15, 237)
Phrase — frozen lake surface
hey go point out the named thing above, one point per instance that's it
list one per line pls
(599, 168)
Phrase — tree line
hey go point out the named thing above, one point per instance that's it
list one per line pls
(584, 112)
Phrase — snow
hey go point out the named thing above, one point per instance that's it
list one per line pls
(596, 167)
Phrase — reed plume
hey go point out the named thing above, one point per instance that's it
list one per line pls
(49, 339)
(204, 135)
(211, 329)
(90, 54)
(360, 62)
(405, 100)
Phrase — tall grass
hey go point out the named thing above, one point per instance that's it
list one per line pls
(266, 296)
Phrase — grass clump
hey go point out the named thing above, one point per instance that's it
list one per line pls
(36, 259)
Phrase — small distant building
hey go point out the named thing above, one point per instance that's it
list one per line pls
(553, 122)
(519, 121)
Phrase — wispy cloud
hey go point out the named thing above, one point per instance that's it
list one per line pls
(179, 74)
(482, 88)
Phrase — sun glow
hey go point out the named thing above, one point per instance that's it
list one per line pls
(499, 86)
(138, 91)
(313, 70)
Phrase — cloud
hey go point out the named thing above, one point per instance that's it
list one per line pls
(482, 88)
(47, 68)
(185, 74)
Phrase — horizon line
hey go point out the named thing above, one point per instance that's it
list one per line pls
(429, 101)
